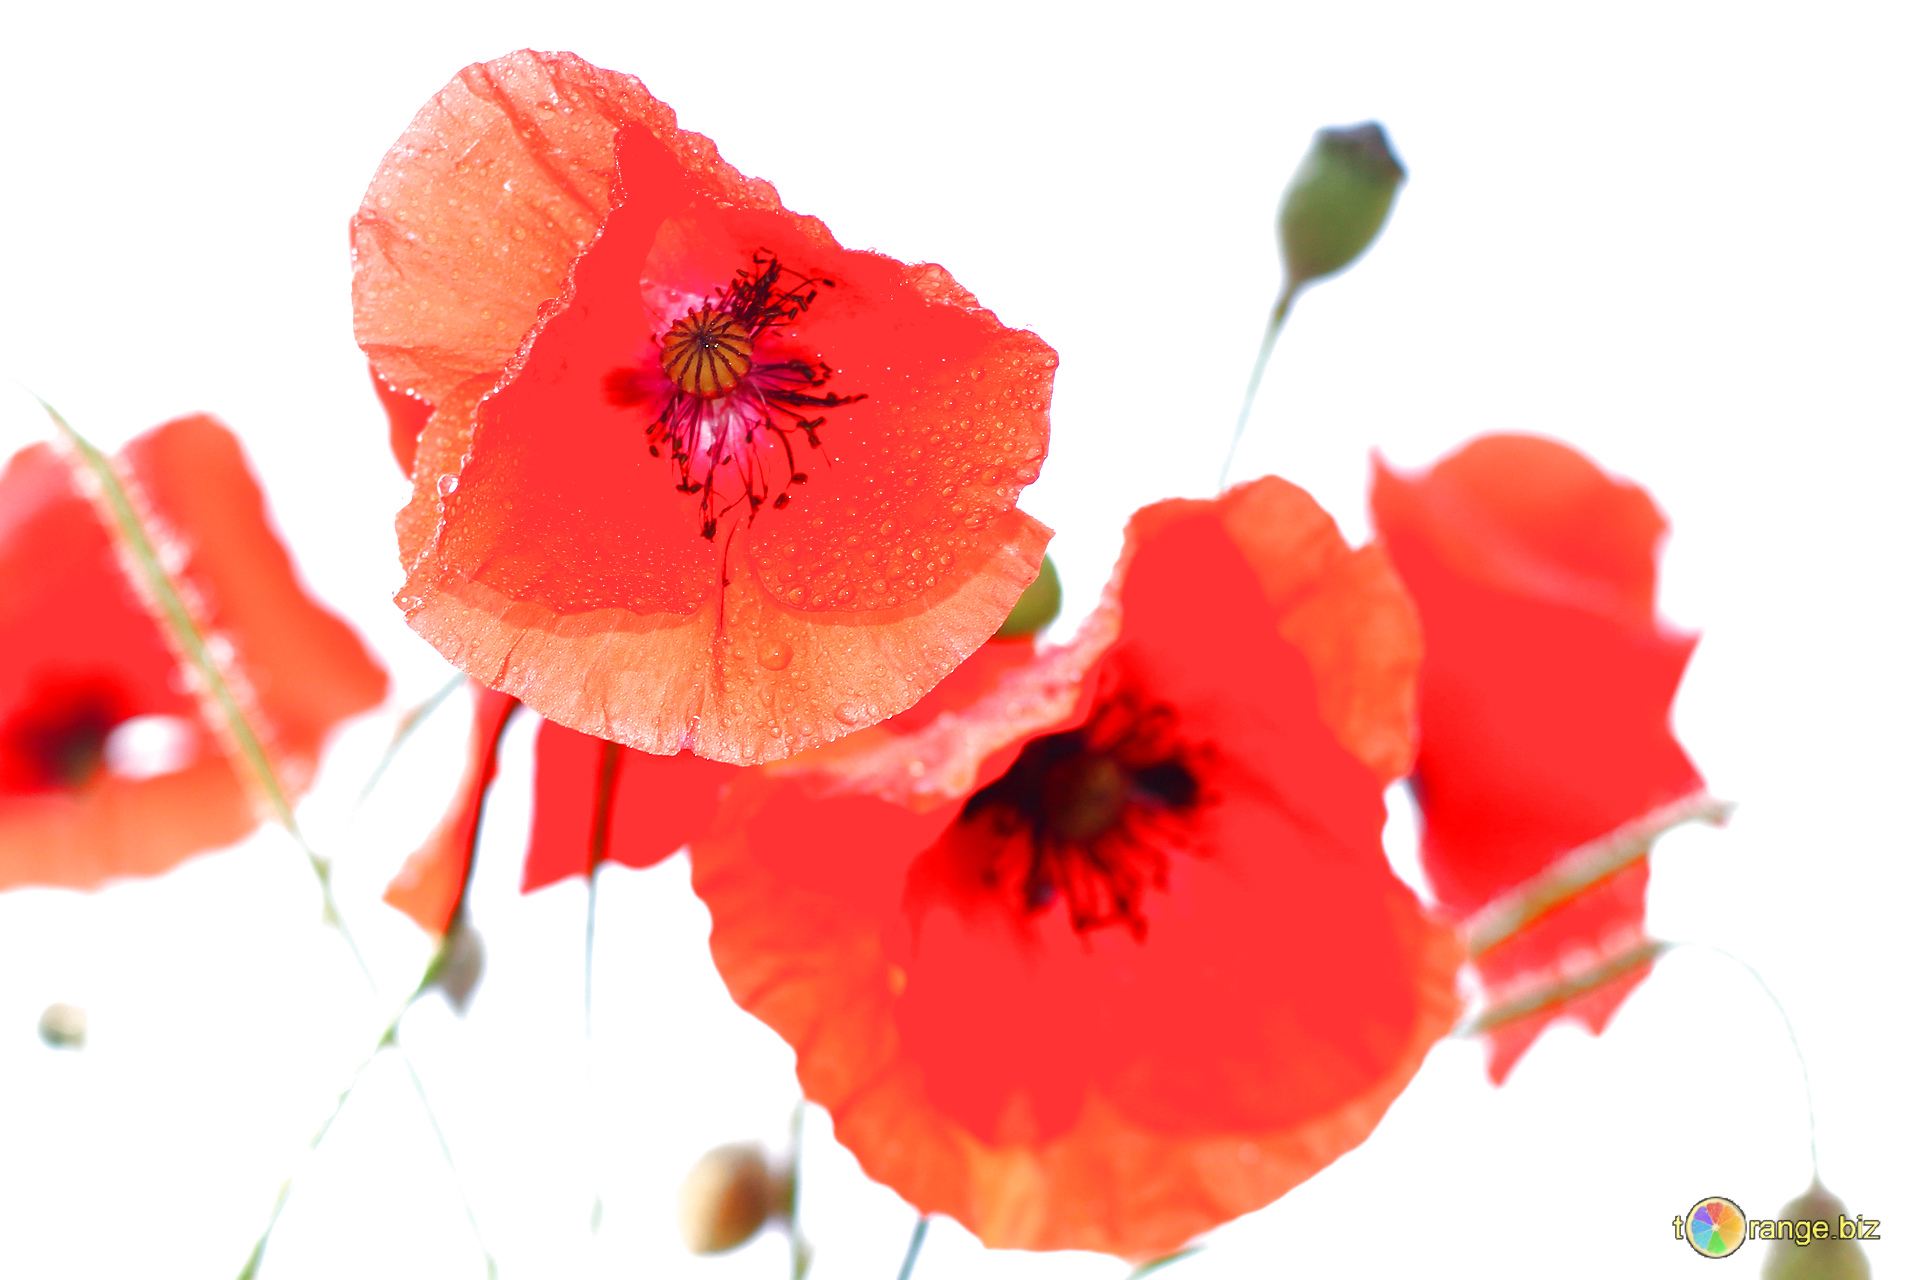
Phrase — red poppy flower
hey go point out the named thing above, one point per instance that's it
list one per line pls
(1110, 953)
(696, 476)
(111, 762)
(1546, 762)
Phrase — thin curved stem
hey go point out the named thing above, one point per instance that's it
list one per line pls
(1275, 322)
(446, 1152)
(409, 722)
(1806, 1077)
(913, 1247)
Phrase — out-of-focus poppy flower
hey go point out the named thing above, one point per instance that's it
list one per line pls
(1110, 953)
(1546, 765)
(696, 476)
(114, 758)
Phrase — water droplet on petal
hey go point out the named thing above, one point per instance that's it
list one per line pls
(775, 655)
(448, 484)
(847, 713)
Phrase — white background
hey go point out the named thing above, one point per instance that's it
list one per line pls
(1679, 236)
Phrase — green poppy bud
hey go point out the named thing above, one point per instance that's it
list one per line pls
(1832, 1246)
(64, 1026)
(1038, 605)
(729, 1195)
(1338, 201)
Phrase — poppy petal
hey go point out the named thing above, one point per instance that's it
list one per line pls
(86, 666)
(1051, 1086)
(659, 803)
(529, 242)
(1547, 764)
(432, 884)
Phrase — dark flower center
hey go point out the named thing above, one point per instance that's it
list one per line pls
(1090, 816)
(727, 419)
(58, 740)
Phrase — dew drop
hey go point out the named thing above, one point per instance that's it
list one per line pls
(775, 655)
(847, 713)
(448, 484)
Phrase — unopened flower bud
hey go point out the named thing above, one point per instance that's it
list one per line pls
(729, 1195)
(1338, 201)
(64, 1026)
(1038, 605)
(1832, 1241)
(457, 969)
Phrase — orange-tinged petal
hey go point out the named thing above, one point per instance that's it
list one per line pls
(88, 674)
(521, 255)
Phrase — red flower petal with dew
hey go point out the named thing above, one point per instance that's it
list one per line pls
(696, 476)
(1547, 764)
(1111, 953)
(109, 763)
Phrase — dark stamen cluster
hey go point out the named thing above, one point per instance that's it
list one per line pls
(721, 404)
(1092, 809)
(59, 740)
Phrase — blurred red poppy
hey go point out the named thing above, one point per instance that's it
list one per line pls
(1110, 952)
(1547, 764)
(113, 760)
(695, 476)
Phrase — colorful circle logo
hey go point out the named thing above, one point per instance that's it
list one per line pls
(1716, 1227)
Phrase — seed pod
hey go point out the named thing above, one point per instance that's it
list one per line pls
(1338, 201)
(1837, 1257)
(731, 1193)
(1038, 605)
(64, 1026)
(462, 959)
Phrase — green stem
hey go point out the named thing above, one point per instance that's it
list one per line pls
(913, 1247)
(403, 731)
(387, 1038)
(1275, 322)
(1147, 1268)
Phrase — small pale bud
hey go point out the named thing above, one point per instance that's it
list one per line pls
(457, 969)
(1338, 200)
(1833, 1254)
(1038, 605)
(64, 1026)
(728, 1196)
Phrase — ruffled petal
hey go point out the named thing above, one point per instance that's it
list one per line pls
(533, 233)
